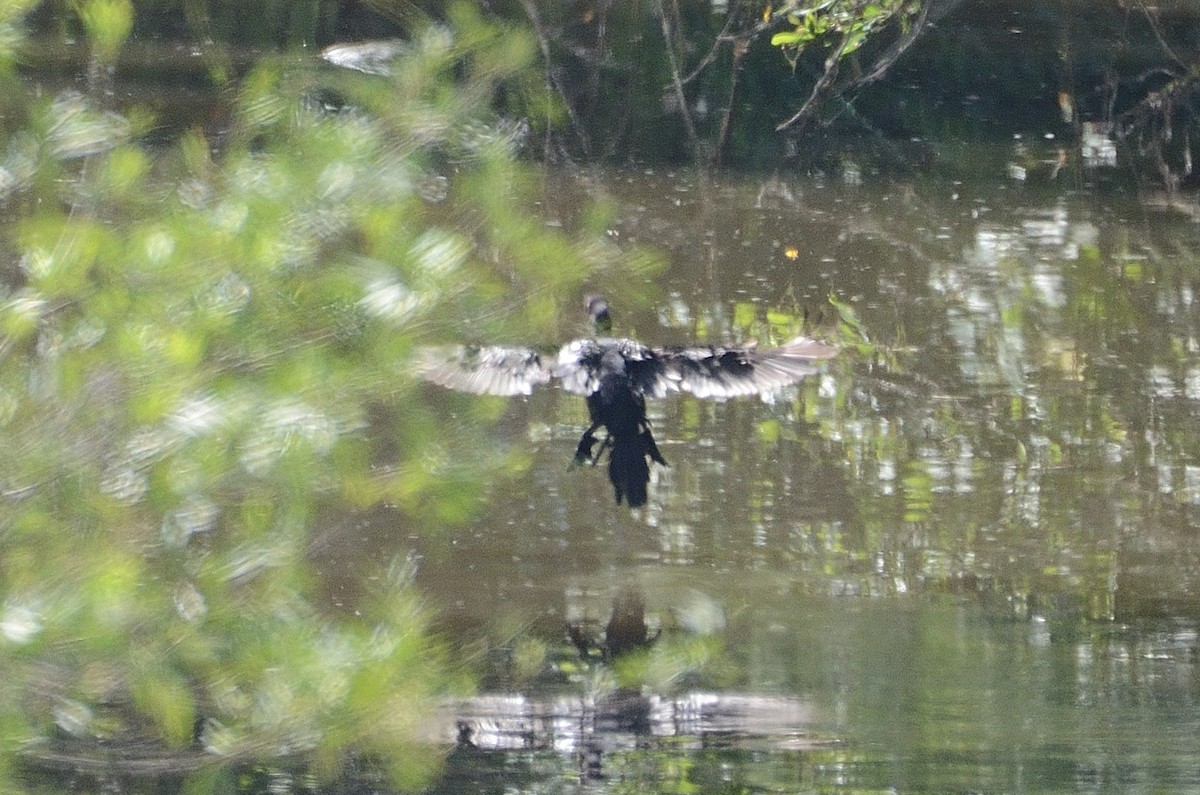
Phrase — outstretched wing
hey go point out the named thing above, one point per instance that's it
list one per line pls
(483, 370)
(719, 372)
(704, 371)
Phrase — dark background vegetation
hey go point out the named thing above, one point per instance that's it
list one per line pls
(942, 69)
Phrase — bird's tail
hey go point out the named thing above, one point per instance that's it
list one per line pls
(629, 466)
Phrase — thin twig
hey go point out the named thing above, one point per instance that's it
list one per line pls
(552, 80)
(1162, 42)
(819, 88)
(677, 83)
(925, 17)
(884, 62)
(711, 55)
(726, 131)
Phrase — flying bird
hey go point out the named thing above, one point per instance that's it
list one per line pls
(616, 376)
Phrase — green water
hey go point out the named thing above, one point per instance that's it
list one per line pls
(969, 550)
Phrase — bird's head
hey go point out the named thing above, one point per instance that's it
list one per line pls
(597, 309)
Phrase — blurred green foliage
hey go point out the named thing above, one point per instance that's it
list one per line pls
(852, 22)
(12, 15)
(107, 23)
(204, 357)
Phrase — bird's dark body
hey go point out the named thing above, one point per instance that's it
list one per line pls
(621, 409)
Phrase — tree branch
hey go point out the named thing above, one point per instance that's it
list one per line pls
(832, 66)
(677, 84)
(552, 81)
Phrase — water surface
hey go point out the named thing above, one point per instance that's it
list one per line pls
(965, 552)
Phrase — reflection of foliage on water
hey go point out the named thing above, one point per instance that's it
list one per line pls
(1020, 452)
(204, 354)
(1059, 373)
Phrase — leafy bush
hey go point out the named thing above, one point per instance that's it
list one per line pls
(205, 352)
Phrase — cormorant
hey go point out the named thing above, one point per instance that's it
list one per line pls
(616, 376)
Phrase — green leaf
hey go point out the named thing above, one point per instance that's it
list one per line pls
(790, 38)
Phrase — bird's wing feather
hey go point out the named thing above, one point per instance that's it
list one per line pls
(483, 370)
(652, 375)
(719, 373)
(704, 371)
(578, 366)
